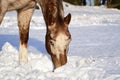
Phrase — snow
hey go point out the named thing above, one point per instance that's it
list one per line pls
(93, 54)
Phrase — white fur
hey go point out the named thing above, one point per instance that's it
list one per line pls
(23, 57)
(60, 45)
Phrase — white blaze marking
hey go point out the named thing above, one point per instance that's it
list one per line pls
(59, 45)
(61, 41)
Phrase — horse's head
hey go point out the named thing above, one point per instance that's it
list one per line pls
(58, 38)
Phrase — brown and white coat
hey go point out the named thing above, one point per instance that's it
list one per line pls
(57, 35)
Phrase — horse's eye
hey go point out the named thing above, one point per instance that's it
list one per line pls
(51, 43)
(52, 37)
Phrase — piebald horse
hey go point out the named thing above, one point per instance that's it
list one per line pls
(57, 37)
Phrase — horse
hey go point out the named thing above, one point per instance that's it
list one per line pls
(57, 37)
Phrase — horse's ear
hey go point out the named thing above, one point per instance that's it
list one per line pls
(67, 19)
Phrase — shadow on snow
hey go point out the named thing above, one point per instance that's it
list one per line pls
(14, 40)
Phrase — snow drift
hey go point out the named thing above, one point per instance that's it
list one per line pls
(40, 67)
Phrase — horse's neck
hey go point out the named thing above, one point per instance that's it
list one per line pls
(52, 9)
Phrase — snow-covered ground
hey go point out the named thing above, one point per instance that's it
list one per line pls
(94, 52)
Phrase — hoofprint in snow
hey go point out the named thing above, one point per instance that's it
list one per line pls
(93, 54)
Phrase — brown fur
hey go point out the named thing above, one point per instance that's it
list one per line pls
(57, 26)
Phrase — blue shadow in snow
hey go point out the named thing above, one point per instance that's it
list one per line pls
(14, 40)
